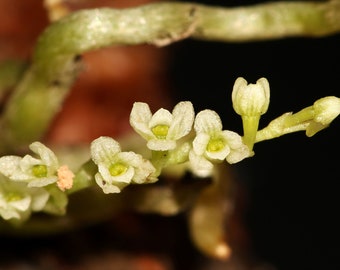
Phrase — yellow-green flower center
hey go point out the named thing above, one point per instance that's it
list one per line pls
(117, 169)
(160, 131)
(39, 170)
(12, 197)
(215, 145)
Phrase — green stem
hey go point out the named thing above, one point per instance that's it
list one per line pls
(84, 178)
(250, 127)
(287, 123)
(300, 117)
(159, 160)
(10, 73)
(273, 20)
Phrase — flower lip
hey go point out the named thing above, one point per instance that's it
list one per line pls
(117, 169)
(160, 131)
(215, 145)
(39, 170)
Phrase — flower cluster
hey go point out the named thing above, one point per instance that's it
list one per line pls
(33, 183)
(163, 131)
(173, 138)
(198, 141)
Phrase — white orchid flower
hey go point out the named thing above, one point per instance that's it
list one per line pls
(118, 169)
(35, 171)
(250, 101)
(212, 144)
(163, 128)
(17, 201)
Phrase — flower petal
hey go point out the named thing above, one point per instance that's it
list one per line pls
(27, 162)
(48, 158)
(140, 117)
(199, 165)
(233, 139)
(107, 188)
(200, 143)
(21, 205)
(39, 198)
(161, 117)
(103, 149)
(42, 181)
(143, 173)
(208, 121)
(10, 167)
(161, 145)
(236, 155)
(183, 118)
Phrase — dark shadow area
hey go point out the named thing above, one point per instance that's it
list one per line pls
(292, 181)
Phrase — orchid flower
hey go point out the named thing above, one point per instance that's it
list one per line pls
(212, 144)
(17, 201)
(250, 101)
(36, 171)
(162, 129)
(117, 169)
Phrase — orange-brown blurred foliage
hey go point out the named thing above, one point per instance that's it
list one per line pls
(110, 81)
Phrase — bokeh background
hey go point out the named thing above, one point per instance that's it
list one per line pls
(289, 191)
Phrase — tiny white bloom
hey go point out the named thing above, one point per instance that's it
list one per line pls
(17, 201)
(250, 99)
(163, 128)
(117, 169)
(212, 144)
(325, 111)
(36, 171)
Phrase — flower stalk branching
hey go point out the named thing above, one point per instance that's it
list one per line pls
(194, 142)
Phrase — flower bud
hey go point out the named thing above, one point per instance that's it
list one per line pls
(250, 99)
(326, 109)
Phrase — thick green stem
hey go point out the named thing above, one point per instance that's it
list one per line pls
(10, 73)
(40, 93)
(268, 21)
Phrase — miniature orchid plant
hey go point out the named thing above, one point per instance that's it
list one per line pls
(171, 142)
